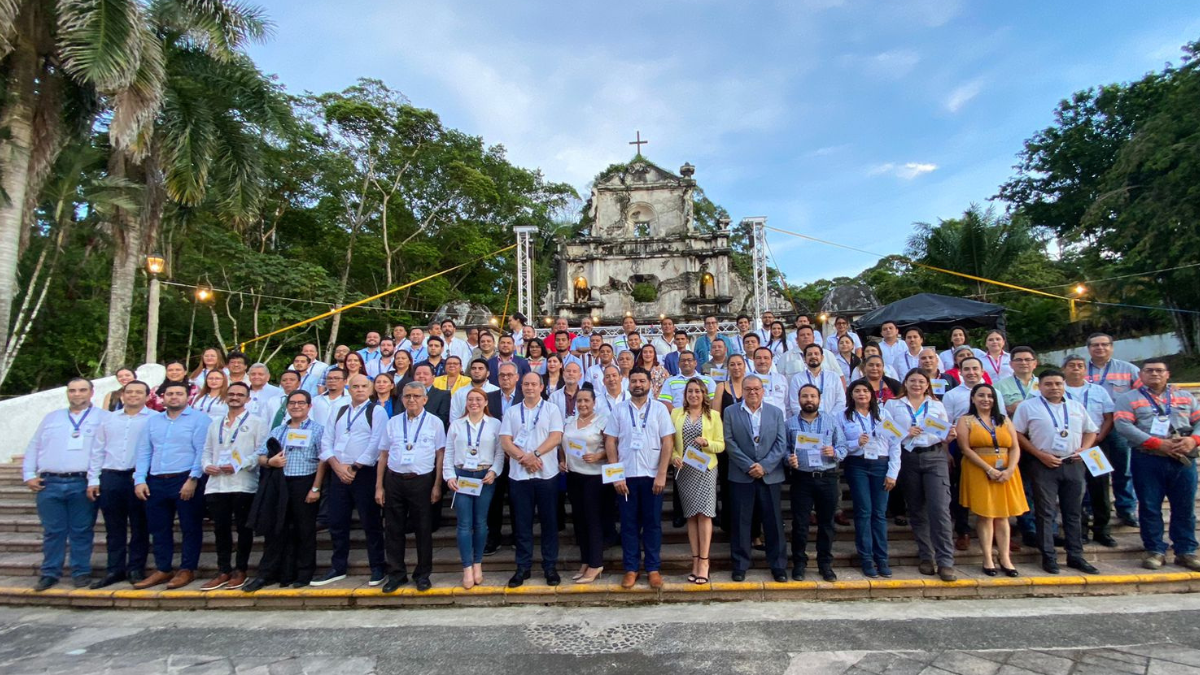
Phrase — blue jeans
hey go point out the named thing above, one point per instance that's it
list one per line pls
(1155, 478)
(66, 513)
(161, 507)
(472, 515)
(865, 477)
(527, 496)
(1116, 449)
(641, 525)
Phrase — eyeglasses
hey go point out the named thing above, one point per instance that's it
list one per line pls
(1023, 360)
(292, 403)
(1154, 371)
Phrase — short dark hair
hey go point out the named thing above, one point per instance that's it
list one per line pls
(448, 358)
(767, 349)
(805, 327)
(434, 338)
(144, 385)
(1155, 359)
(1072, 358)
(171, 385)
(340, 371)
(449, 321)
(1093, 336)
(483, 361)
(86, 381)
(1023, 350)
(813, 345)
(238, 384)
(236, 355)
(808, 385)
(638, 370)
(913, 329)
(301, 392)
(289, 372)
(894, 324)
(1052, 372)
(562, 332)
(742, 316)
(423, 364)
(971, 358)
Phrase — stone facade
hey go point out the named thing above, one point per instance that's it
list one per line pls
(643, 236)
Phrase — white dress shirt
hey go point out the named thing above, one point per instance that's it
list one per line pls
(479, 443)
(906, 417)
(1041, 422)
(775, 389)
(234, 444)
(535, 424)
(833, 394)
(355, 439)
(115, 445)
(324, 408)
(264, 402)
(647, 426)
(425, 434)
(55, 449)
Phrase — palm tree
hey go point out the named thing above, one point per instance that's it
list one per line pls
(202, 144)
(56, 58)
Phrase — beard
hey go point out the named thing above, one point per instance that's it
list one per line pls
(808, 408)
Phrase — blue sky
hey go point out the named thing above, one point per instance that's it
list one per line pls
(843, 119)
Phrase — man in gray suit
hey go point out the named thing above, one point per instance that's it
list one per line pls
(756, 440)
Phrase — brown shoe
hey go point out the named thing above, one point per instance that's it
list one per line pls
(656, 580)
(962, 542)
(927, 568)
(182, 578)
(236, 580)
(156, 579)
(629, 580)
(221, 581)
(947, 574)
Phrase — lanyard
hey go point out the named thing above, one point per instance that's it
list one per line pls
(536, 416)
(920, 411)
(997, 364)
(478, 438)
(211, 402)
(1103, 373)
(353, 417)
(992, 431)
(645, 415)
(620, 399)
(237, 428)
(1145, 392)
(420, 424)
(305, 378)
(804, 424)
(1066, 420)
(1086, 393)
(863, 425)
(817, 384)
(75, 433)
(907, 366)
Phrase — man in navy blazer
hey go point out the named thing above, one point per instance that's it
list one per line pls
(756, 441)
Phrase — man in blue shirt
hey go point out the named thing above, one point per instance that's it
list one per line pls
(371, 351)
(816, 446)
(167, 477)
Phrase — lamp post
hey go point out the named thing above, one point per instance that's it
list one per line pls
(155, 265)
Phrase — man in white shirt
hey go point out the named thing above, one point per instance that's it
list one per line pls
(310, 380)
(621, 343)
(411, 448)
(737, 342)
(453, 345)
(957, 401)
(350, 447)
(595, 374)
(530, 435)
(1056, 431)
(891, 346)
(55, 469)
(236, 364)
(806, 320)
(416, 345)
(385, 363)
(264, 396)
(640, 436)
(478, 373)
(775, 384)
(914, 340)
(564, 398)
(324, 407)
(612, 391)
(664, 343)
(316, 366)
(110, 479)
(768, 318)
(1100, 408)
(795, 362)
(829, 383)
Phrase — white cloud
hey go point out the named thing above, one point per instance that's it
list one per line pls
(895, 63)
(906, 171)
(963, 95)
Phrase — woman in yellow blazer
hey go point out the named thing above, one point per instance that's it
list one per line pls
(699, 436)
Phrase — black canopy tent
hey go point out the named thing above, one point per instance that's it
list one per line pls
(932, 312)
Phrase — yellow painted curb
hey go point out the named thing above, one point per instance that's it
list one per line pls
(1058, 581)
(726, 586)
(864, 585)
(961, 583)
(896, 584)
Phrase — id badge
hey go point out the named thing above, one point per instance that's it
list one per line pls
(939, 387)
(225, 459)
(471, 462)
(637, 442)
(1060, 444)
(1161, 426)
(870, 451)
(521, 439)
(75, 442)
(408, 457)
(999, 462)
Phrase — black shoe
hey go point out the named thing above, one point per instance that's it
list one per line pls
(552, 579)
(377, 578)
(1083, 566)
(900, 521)
(518, 578)
(1050, 565)
(136, 577)
(254, 584)
(424, 584)
(828, 575)
(108, 580)
(779, 576)
(885, 570)
(990, 571)
(394, 582)
(490, 548)
(301, 584)
(1105, 540)
(330, 577)
(1030, 539)
(45, 583)
(798, 573)
(81, 582)
(738, 575)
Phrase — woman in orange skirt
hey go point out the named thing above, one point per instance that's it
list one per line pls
(991, 485)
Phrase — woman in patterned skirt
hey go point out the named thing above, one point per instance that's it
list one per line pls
(699, 437)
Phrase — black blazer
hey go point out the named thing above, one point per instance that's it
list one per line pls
(496, 404)
(438, 405)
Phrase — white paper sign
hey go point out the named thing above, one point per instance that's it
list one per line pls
(695, 459)
(1097, 464)
(297, 438)
(576, 449)
(612, 473)
(470, 486)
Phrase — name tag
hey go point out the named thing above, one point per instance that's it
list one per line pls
(1161, 426)
(935, 423)
(1096, 463)
(611, 473)
(1060, 444)
(470, 486)
(637, 441)
(408, 457)
(297, 438)
(695, 459)
(575, 449)
(75, 442)
(521, 439)
(471, 462)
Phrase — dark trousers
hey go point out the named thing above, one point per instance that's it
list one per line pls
(126, 536)
(586, 494)
(1116, 449)
(408, 500)
(164, 502)
(1057, 489)
(495, 520)
(297, 541)
(228, 511)
(958, 513)
(1157, 478)
(610, 515)
(926, 480)
(66, 514)
(1101, 502)
(528, 496)
(641, 525)
(809, 490)
(343, 500)
(745, 497)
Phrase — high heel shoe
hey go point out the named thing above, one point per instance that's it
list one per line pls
(692, 577)
(580, 574)
(990, 571)
(477, 570)
(1010, 571)
(699, 580)
(468, 581)
(592, 575)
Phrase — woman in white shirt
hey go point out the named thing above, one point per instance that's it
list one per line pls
(473, 452)
(210, 400)
(925, 473)
(997, 363)
(583, 444)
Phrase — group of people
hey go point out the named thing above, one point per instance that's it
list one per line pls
(922, 436)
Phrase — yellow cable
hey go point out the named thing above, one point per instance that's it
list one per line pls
(373, 297)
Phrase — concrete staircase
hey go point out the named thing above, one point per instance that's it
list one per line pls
(20, 558)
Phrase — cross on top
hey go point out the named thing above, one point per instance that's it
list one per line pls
(639, 142)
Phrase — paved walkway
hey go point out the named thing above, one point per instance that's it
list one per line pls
(1131, 634)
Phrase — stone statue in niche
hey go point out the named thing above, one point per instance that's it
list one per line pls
(582, 292)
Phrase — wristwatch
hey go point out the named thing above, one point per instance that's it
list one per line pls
(315, 490)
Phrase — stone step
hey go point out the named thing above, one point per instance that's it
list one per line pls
(1117, 577)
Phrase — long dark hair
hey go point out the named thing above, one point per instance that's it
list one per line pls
(997, 405)
(782, 336)
(541, 348)
(873, 405)
(162, 388)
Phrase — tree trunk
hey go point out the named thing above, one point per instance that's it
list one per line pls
(16, 117)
